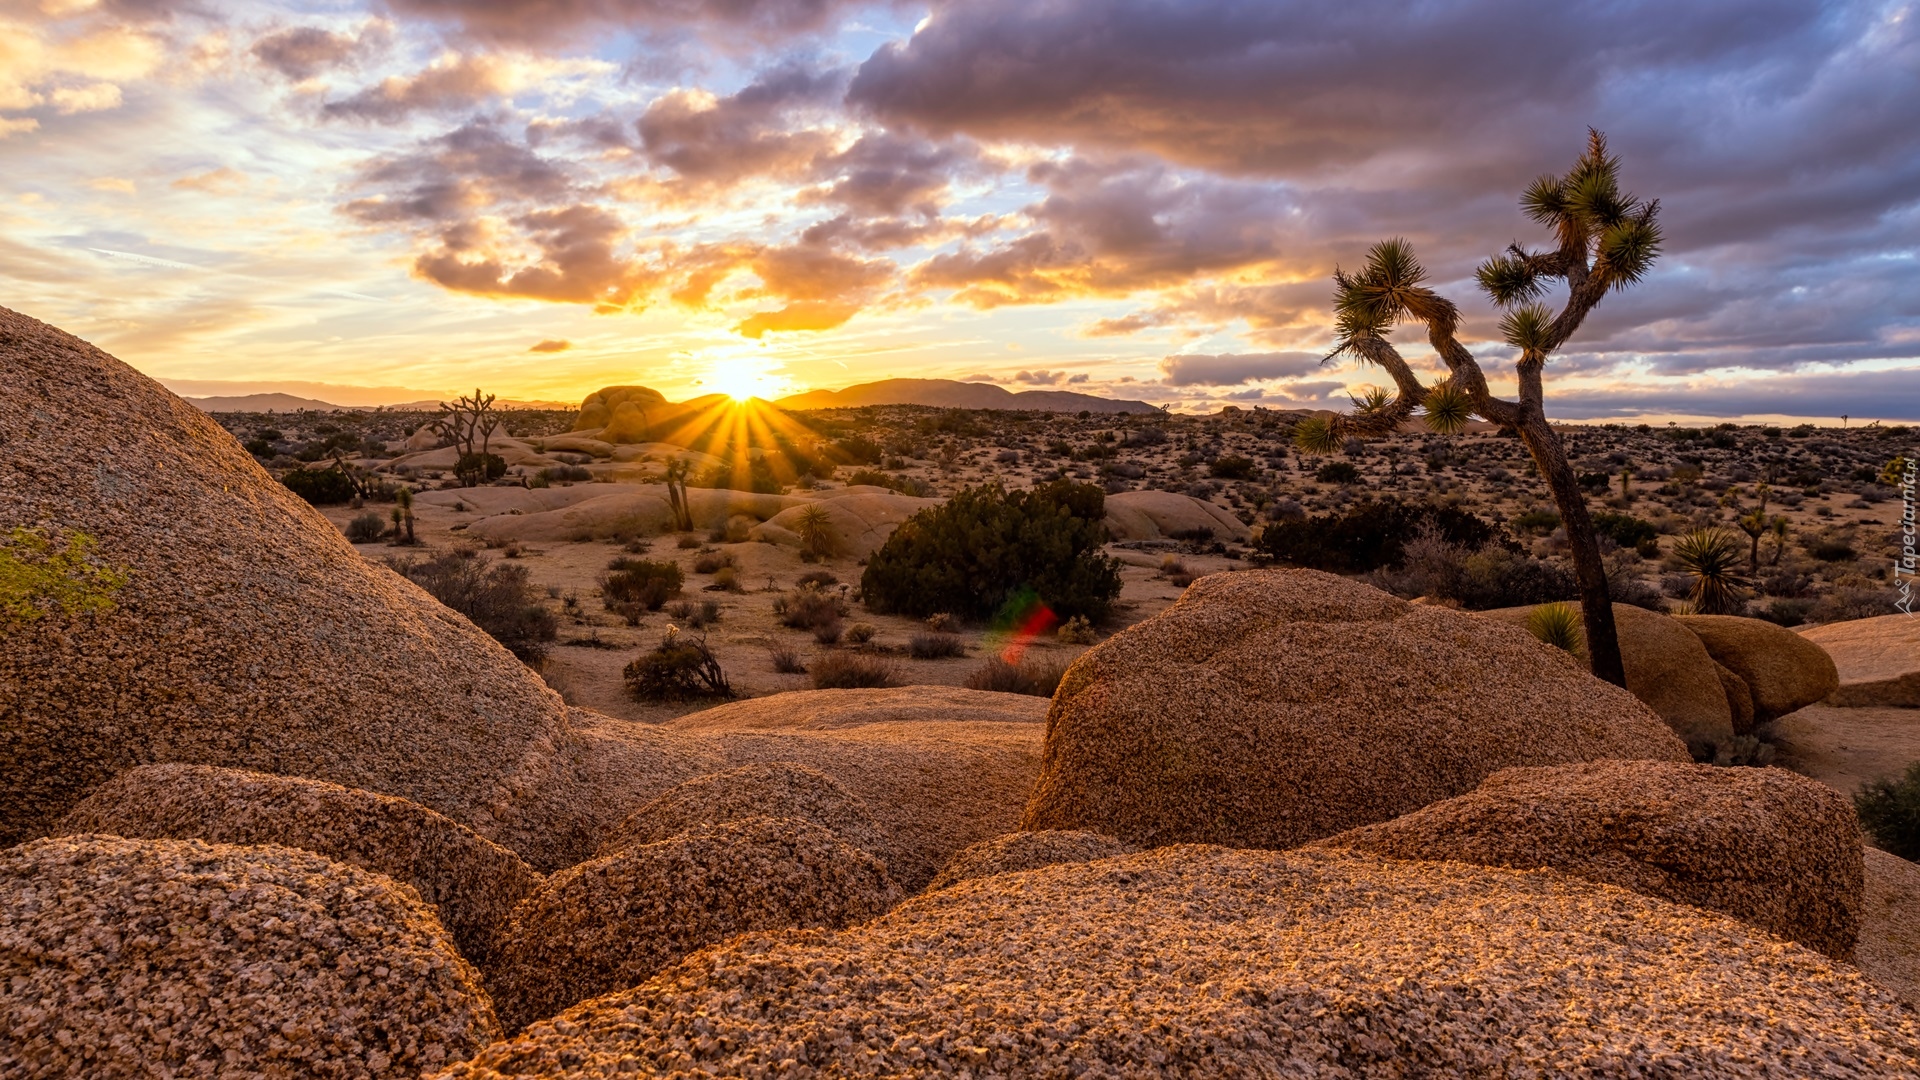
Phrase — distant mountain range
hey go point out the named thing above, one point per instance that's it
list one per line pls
(289, 403)
(952, 394)
(938, 393)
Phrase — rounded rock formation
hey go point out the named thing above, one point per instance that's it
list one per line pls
(1270, 708)
(142, 958)
(1158, 515)
(1765, 846)
(471, 881)
(1669, 669)
(774, 789)
(1877, 660)
(1209, 962)
(1784, 670)
(610, 923)
(1019, 851)
(248, 631)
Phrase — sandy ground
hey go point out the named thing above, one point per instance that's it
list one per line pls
(1844, 748)
(594, 645)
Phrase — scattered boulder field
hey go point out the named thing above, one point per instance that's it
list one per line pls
(275, 812)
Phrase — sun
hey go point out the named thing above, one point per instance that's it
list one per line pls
(738, 381)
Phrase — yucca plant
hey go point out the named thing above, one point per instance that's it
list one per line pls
(1712, 556)
(1558, 624)
(1604, 240)
(813, 528)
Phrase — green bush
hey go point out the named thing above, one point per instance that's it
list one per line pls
(320, 487)
(1233, 467)
(474, 469)
(1625, 529)
(678, 668)
(498, 598)
(970, 554)
(366, 528)
(1369, 536)
(1337, 472)
(1890, 812)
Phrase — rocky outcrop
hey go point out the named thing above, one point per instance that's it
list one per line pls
(610, 923)
(1208, 962)
(1270, 708)
(1762, 845)
(247, 632)
(1877, 660)
(857, 525)
(1889, 950)
(1019, 851)
(472, 882)
(1669, 669)
(1159, 515)
(141, 958)
(1784, 670)
(938, 767)
(775, 789)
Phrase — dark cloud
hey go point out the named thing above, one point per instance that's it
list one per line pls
(719, 141)
(884, 175)
(449, 179)
(301, 52)
(1039, 378)
(1231, 369)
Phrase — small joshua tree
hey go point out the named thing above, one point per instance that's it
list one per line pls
(677, 471)
(815, 532)
(1605, 240)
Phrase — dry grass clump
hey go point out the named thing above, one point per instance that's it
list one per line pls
(1032, 675)
(615, 921)
(472, 881)
(809, 607)
(938, 645)
(141, 958)
(1019, 851)
(1205, 961)
(851, 671)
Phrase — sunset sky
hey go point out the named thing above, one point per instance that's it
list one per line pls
(388, 201)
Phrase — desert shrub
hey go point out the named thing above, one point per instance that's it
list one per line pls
(786, 661)
(570, 473)
(643, 581)
(819, 579)
(968, 555)
(1233, 467)
(941, 622)
(1627, 531)
(860, 633)
(1492, 577)
(828, 633)
(496, 597)
(1539, 520)
(477, 468)
(1035, 677)
(905, 485)
(366, 528)
(1787, 611)
(320, 487)
(680, 667)
(1171, 565)
(712, 561)
(695, 616)
(935, 646)
(850, 671)
(1075, 631)
(809, 607)
(1889, 810)
(754, 474)
(1370, 536)
(1337, 472)
(726, 579)
(1849, 602)
(1832, 551)
(856, 450)
(687, 542)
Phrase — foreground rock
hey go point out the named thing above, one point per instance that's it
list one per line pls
(248, 631)
(774, 789)
(1270, 708)
(1019, 851)
(1877, 660)
(472, 882)
(938, 767)
(1889, 949)
(1207, 962)
(145, 958)
(611, 923)
(1762, 845)
(1784, 670)
(1669, 669)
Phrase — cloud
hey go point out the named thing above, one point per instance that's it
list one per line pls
(1892, 395)
(1039, 378)
(301, 52)
(823, 288)
(450, 82)
(885, 175)
(551, 21)
(1078, 379)
(1231, 369)
(222, 180)
(112, 183)
(576, 262)
(718, 141)
(551, 345)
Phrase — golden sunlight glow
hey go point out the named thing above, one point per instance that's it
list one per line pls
(739, 380)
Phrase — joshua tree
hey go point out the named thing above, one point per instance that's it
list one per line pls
(1605, 240)
(1755, 525)
(814, 531)
(468, 423)
(403, 516)
(677, 470)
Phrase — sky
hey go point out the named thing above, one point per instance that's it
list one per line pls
(394, 200)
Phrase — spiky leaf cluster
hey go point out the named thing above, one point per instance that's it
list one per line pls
(1615, 235)
(1389, 288)
(1712, 556)
(1447, 408)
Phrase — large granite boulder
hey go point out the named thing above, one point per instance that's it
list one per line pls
(1765, 846)
(246, 630)
(1270, 708)
(472, 882)
(146, 958)
(1210, 962)
(1670, 670)
(1785, 670)
(1877, 660)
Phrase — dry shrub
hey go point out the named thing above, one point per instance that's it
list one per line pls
(851, 671)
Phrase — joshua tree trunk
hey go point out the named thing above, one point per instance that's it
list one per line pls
(1596, 604)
